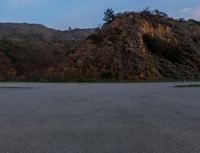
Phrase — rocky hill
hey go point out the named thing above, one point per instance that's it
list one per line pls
(138, 46)
(134, 46)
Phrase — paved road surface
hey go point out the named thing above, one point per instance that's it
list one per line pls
(99, 118)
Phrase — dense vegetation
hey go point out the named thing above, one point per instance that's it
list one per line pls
(129, 46)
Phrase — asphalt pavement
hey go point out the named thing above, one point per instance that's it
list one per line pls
(99, 118)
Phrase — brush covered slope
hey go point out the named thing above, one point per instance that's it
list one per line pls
(138, 46)
(28, 51)
(134, 46)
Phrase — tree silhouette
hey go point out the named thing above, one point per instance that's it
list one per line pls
(109, 16)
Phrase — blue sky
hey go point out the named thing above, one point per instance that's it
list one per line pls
(61, 14)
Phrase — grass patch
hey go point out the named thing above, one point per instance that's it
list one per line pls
(188, 86)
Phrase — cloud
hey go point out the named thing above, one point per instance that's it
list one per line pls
(191, 12)
(196, 14)
(186, 9)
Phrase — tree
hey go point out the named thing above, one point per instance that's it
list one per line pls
(160, 13)
(96, 38)
(70, 29)
(147, 10)
(109, 16)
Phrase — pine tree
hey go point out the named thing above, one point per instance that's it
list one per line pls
(109, 16)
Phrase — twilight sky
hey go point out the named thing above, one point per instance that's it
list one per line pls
(61, 14)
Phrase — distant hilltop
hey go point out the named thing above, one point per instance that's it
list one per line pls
(145, 45)
(25, 31)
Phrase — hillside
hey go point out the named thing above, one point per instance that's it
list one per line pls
(138, 46)
(134, 46)
(37, 32)
(28, 50)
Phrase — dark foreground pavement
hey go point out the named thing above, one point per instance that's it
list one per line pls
(99, 118)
